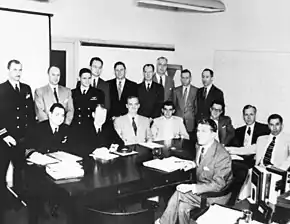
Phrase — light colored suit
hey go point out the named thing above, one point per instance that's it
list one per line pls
(123, 126)
(280, 155)
(168, 87)
(163, 128)
(213, 174)
(44, 98)
(185, 110)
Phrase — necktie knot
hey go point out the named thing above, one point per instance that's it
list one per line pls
(134, 125)
(160, 80)
(204, 92)
(148, 86)
(94, 83)
(249, 131)
(55, 95)
(84, 92)
(274, 138)
(201, 155)
(17, 88)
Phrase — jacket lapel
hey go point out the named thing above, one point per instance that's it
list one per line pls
(209, 154)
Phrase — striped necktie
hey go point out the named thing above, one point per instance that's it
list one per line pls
(268, 154)
(200, 155)
(134, 126)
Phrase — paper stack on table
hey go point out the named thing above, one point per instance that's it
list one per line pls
(151, 145)
(40, 159)
(65, 170)
(103, 154)
(64, 156)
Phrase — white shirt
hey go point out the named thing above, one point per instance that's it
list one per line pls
(183, 89)
(96, 80)
(162, 77)
(14, 83)
(206, 147)
(135, 119)
(208, 88)
(248, 138)
(122, 83)
(84, 88)
(54, 87)
(54, 128)
(146, 84)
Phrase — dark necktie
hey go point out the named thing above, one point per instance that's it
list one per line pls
(94, 83)
(134, 125)
(148, 86)
(249, 131)
(55, 131)
(84, 92)
(201, 155)
(204, 92)
(184, 95)
(119, 89)
(160, 80)
(55, 95)
(268, 154)
(17, 88)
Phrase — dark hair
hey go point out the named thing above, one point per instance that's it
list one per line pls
(209, 122)
(56, 105)
(96, 59)
(168, 103)
(186, 71)
(275, 116)
(162, 58)
(119, 63)
(248, 107)
(131, 97)
(208, 70)
(51, 67)
(148, 65)
(218, 102)
(13, 61)
(84, 70)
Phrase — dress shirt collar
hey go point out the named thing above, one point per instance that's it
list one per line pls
(14, 83)
(148, 82)
(161, 76)
(54, 127)
(95, 80)
(84, 88)
(206, 147)
(208, 88)
(135, 117)
(53, 86)
(122, 82)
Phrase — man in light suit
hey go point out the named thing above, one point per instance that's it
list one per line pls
(226, 131)
(272, 149)
(52, 93)
(213, 174)
(162, 78)
(133, 128)
(120, 89)
(207, 94)
(168, 126)
(184, 99)
(150, 94)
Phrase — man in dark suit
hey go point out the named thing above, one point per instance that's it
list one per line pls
(213, 174)
(150, 94)
(120, 89)
(85, 100)
(184, 99)
(226, 131)
(16, 115)
(164, 79)
(207, 94)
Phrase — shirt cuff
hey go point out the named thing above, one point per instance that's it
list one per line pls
(193, 188)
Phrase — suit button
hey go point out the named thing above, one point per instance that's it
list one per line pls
(48, 151)
(17, 127)
(25, 125)
(88, 115)
(17, 108)
(26, 115)
(26, 106)
(79, 108)
(89, 108)
(80, 115)
(79, 122)
(17, 118)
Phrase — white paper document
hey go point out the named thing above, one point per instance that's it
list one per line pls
(169, 164)
(103, 154)
(40, 159)
(65, 170)
(236, 157)
(219, 214)
(64, 156)
(151, 145)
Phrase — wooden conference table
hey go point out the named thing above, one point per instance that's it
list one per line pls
(108, 183)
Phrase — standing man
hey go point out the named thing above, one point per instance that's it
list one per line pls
(207, 94)
(16, 116)
(96, 65)
(162, 78)
(151, 94)
(184, 99)
(53, 93)
(120, 89)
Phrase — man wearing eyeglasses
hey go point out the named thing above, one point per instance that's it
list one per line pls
(226, 131)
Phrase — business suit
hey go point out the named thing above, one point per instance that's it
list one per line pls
(214, 173)
(123, 126)
(168, 87)
(185, 110)
(226, 131)
(151, 100)
(44, 99)
(118, 106)
(203, 105)
(85, 104)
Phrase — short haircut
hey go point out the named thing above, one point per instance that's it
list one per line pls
(84, 70)
(56, 105)
(51, 67)
(131, 97)
(186, 71)
(275, 116)
(168, 103)
(208, 70)
(162, 58)
(96, 59)
(218, 102)
(119, 63)
(13, 61)
(210, 122)
(148, 65)
(249, 106)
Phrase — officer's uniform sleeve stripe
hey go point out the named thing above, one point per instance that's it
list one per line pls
(3, 131)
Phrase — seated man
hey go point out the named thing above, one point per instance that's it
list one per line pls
(168, 126)
(131, 127)
(213, 173)
(99, 133)
(272, 149)
(226, 131)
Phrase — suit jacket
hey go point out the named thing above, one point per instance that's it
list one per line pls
(226, 130)
(168, 87)
(124, 128)
(118, 106)
(150, 101)
(16, 110)
(203, 105)
(85, 104)
(163, 129)
(44, 98)
(41, 138)
(214, 173)
(259, 130)
(185, 110)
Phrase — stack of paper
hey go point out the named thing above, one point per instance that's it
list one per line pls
(151, 145)
(65, 170)
(169, 164)
(103, 154)
(64, 156)
(40, 159)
